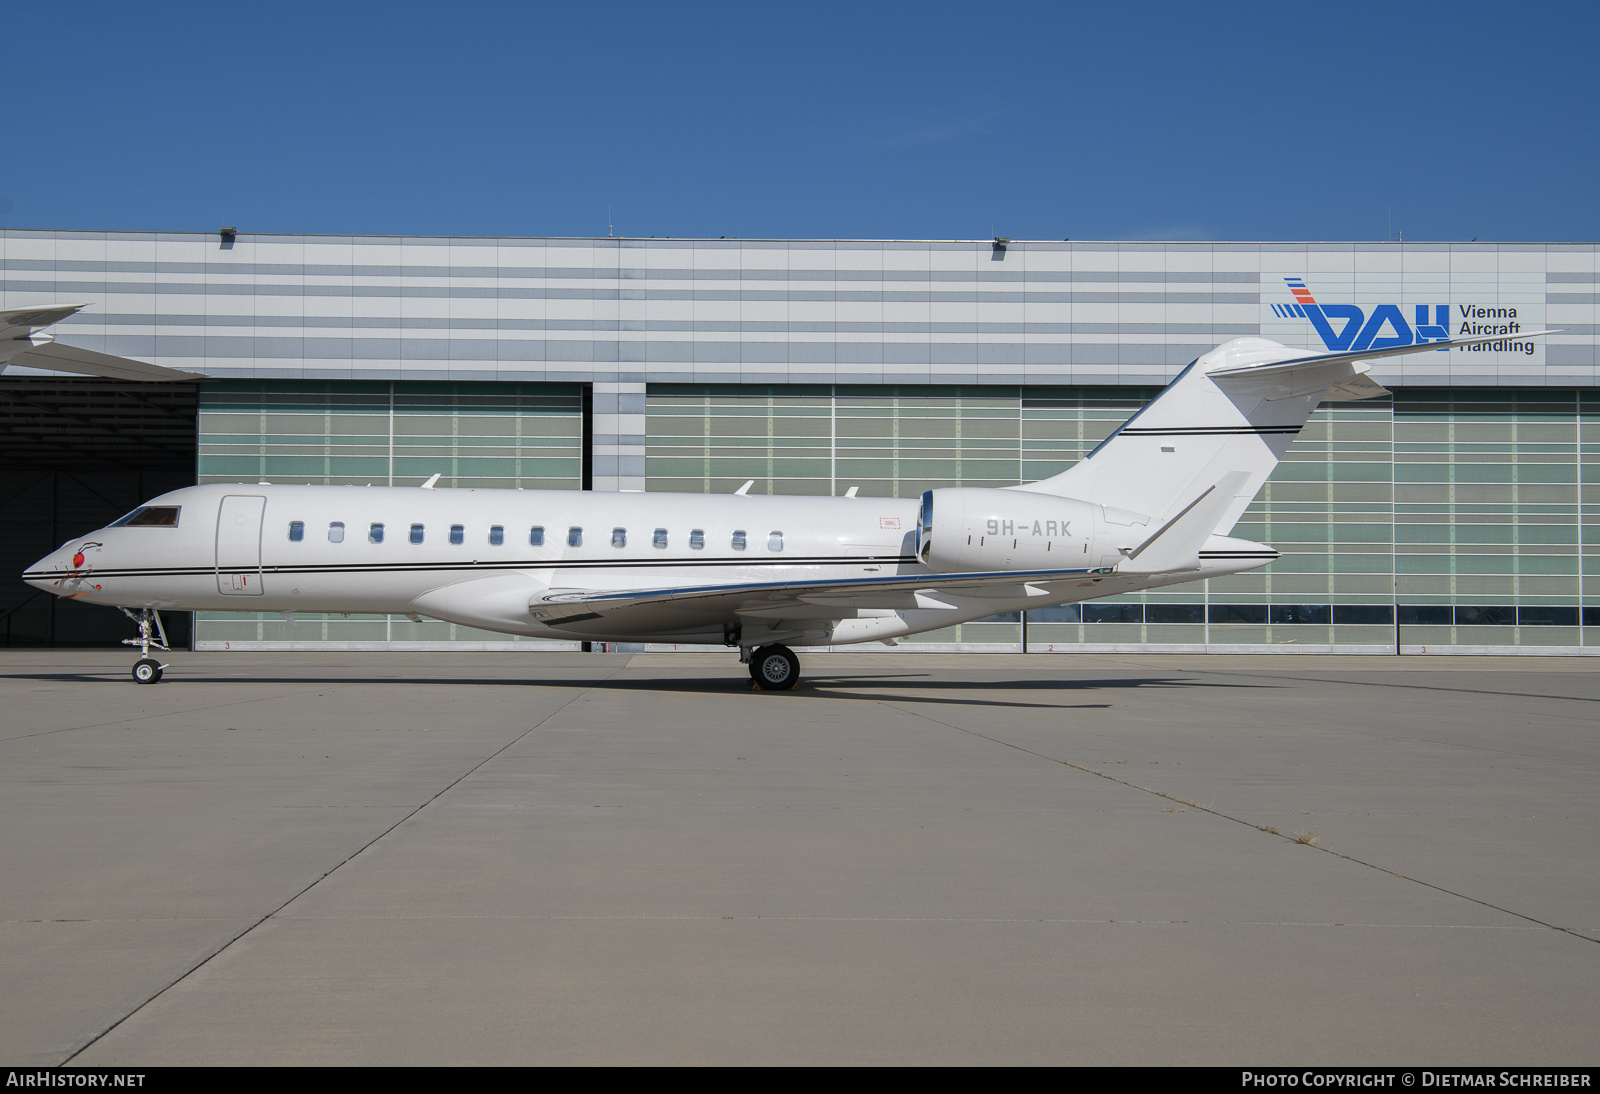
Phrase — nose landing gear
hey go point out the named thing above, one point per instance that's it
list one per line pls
(775, 668)
(147, 670)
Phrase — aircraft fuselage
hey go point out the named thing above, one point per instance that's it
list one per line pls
(485, 558)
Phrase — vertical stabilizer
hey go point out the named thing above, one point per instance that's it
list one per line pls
(1226, 419)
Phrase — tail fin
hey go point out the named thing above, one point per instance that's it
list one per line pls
(1225, 421)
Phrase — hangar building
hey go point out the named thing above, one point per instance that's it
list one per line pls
(1462, 514)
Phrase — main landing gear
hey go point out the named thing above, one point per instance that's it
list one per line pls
(775, 668)
(147, 670)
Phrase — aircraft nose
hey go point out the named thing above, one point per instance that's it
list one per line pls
(45, 573)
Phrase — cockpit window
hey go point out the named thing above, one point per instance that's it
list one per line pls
(150, 516)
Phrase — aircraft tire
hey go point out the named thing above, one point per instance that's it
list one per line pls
(146, 670)
(775, 668)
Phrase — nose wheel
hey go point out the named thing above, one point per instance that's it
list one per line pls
(775, 668)
(147, 670)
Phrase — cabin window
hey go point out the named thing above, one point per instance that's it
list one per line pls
(619, 537)
(536, 536)
(660, 538)
(416, 533)
(375, 534)
(497, 535)
(697, 539)
(297, 531)
(458, 534)
(574, 537)
(336, 532)
(774, 541)
(738, 540)
(150, 516)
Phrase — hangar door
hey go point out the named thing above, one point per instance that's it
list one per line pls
(76, 454)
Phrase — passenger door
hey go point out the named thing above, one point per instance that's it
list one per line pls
(239, 545)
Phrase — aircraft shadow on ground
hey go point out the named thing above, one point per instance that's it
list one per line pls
(876, 687)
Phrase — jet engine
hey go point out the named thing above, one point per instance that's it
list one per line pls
(966, 528)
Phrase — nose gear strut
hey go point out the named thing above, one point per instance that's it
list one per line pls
(147, 670)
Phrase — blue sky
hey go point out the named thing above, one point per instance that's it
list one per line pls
(823, 120)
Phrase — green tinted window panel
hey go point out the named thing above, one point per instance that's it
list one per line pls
(886, 441)
(1547, 565)
(484, 435)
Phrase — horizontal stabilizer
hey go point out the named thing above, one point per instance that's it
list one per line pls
(1357, 387)
(1313, 359)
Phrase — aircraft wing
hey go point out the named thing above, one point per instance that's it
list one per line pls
(20, 344)
(21, 322)
(811, 599)
(58, 357)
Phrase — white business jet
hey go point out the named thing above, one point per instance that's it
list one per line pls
(1151, 506)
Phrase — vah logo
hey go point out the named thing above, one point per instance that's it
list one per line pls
(1385, 328)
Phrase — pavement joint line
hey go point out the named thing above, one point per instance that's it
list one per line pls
(1388, 684)
(707, 918)
(710, 918)
(208, 958)
(1431, 742)
(1575, 932)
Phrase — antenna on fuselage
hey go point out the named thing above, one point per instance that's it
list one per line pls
(429, 484)
(745, 489)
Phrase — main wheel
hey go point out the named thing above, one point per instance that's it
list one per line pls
(775, 667)
(146, 670)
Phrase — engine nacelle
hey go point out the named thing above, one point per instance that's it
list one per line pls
(972, 528)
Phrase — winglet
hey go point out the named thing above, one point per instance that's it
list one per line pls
(429, 484)
(745, 489)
